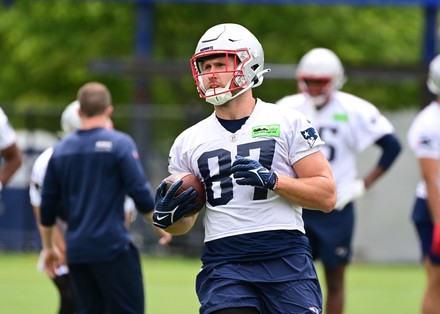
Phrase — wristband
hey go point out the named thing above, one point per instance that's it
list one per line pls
(276, 181)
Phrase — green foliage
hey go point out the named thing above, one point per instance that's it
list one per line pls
(46, 47)
(377, 35)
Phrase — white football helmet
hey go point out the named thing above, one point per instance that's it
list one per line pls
(229, 40)
(433, 81)
(320, 64)
(70, 120)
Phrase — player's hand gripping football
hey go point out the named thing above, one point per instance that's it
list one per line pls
(251, 172)
(435, 248)
(170, 208)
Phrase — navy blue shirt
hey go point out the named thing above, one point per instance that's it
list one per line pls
(90, 173)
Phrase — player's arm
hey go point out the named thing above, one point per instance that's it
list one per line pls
(391, 148)
(58, 242)
(429, 168)
(183, 225)
(57, 236)
(12, 161)
(314, 188)
(165, 237)
(52, 257)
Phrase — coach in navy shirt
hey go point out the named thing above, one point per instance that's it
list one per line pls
(89, 174)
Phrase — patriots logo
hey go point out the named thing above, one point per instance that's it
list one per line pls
(310, 135)
(425, 141)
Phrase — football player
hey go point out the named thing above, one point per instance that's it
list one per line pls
(9, 151)
(424, 140)
(70, 122)
(260, 165)
(348, 125)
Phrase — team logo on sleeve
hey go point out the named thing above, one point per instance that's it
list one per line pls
(310, 135)
(425, 141)
(266, 130)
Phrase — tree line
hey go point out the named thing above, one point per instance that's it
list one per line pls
(47, 48)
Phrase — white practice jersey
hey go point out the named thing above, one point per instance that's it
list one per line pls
(424, 139)
(37, 179)
(37, 176)
(348, 125)
(7, 133)
(276, 137)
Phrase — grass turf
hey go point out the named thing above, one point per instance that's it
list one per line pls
(170, 281)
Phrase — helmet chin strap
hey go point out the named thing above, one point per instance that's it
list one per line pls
(225, 93)
(218, 96)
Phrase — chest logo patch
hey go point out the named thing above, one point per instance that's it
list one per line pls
(266, 130)
(103, 146)
(342, 117)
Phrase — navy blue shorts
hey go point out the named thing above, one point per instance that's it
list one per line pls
(330, 235)
(424, 231)
(283, 285)
(109, 287)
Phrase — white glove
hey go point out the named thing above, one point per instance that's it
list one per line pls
(350, 193)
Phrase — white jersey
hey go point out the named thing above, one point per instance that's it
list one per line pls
(276, 137)
(348, 125)
(7, 133)
(424, 139)
(37, 176)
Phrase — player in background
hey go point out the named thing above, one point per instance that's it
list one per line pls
(70, 122)
(9, 151)
(424, 140)
(260, 164)
(89, 174)
(348, 125)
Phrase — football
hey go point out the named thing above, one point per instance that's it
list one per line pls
(189, 180)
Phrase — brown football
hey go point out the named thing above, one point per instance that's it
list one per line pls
(189, 180)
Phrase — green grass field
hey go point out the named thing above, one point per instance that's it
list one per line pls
(170, 287)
